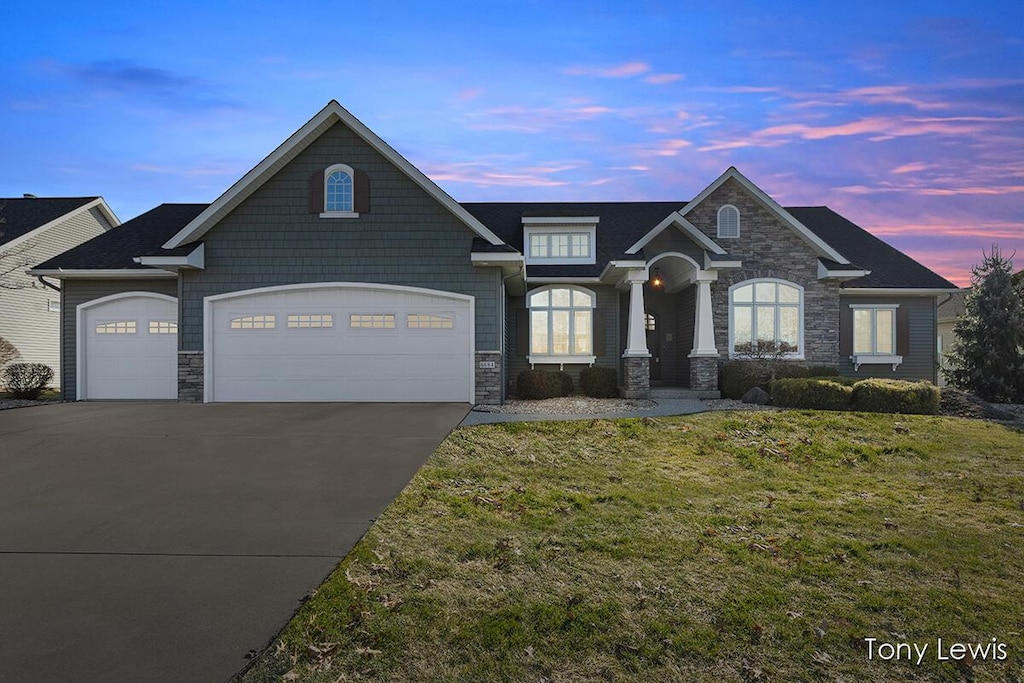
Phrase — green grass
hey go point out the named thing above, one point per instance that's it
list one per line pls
(717, 547)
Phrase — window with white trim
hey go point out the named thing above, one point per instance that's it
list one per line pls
(562, 324)
(163, 327)
(379, 321)
(560, 246)
(308, 320)
(766, 316)
(729, 221)
(53, 306)
(254, 322)
(874, 330)
(425, 321)
(116, 327)
(339, 191)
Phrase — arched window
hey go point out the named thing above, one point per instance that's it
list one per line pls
(766, 317)
(728, 221)
(561, 323)
(338, 189)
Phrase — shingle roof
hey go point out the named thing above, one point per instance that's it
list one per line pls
(953, 308)
(621, 225)
(116, 249)
(890, 268)
(22, 215)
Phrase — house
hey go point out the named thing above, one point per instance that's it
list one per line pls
(336, 271)
(33, 229)
(950, 308)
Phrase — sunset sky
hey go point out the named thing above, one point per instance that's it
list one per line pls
(906, 117)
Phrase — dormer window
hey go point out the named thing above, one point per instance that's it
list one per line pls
(560, 241)
(729, 221)
(339, 191)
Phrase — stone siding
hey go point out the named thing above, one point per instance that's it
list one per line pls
(636, 381)
(488, 379)
(768, 248)
(190, 376)
(704, 373)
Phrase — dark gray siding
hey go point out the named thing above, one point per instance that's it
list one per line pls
(407, 238)
(75, 292)
(607, 302)
(921, 362)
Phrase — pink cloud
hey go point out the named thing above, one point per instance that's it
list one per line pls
(889, 94)
(662, 79)
(664, 148)
(624, 70)
(912, 167)
(468, 94)
(535, 120)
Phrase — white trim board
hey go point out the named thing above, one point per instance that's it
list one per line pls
(110, 273)
(290, 148)
(689, 229)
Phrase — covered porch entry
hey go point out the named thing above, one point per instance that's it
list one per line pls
(670, 328)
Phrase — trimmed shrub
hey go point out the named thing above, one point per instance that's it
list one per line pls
(740, 376)
(599, 382)
(538, 384)
(26, 380)
(816, 394)
(896, 396)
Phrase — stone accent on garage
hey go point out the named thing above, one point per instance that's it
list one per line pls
(636, 380)
(190, 376)
(488, 377)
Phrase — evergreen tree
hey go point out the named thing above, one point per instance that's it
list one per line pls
(987, 357)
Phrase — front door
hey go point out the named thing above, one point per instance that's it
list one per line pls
(653, 343)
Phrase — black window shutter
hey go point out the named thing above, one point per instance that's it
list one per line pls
(902, 331)
(845, 330)
(599, 332)
(522, 332)
(361, 192)
(316, 191)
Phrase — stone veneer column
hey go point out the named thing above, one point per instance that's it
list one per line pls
(488, 377)
(190, 376)
(704, 373)
(704, 356)
(637, 380)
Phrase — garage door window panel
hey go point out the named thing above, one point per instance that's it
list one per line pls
(311, 320)
(254, 322)
(376, 321)
(163, 327)
(117, 327)
(420, 321)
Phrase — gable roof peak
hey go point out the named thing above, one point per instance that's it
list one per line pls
(301, 139)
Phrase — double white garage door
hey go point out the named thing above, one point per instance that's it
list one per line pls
(316, 342)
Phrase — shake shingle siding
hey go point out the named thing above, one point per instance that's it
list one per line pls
(406, 238)
(77, 292)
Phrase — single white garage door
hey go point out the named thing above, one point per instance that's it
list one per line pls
(128, 347)
(339, 342)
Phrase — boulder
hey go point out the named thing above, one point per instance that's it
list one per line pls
(757, 395)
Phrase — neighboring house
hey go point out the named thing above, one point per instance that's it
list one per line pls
(950, 308)
(33, 229)
(335, 270)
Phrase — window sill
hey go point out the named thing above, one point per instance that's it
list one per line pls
(560, 261)
(872, 359)
(560, 361)
(339, 214)
(745, 356)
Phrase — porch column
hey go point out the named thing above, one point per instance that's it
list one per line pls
(704, 323)
(636, 344)
(704, 357)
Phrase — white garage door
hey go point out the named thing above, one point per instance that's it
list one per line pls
(128, 347)
(339, 342)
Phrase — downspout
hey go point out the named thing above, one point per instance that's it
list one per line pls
(44, 283)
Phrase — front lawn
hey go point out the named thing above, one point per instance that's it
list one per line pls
(718, 547)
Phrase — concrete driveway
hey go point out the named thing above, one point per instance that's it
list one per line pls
(164, 541)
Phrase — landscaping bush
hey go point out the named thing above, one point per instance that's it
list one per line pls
(26, 380)
(895, 396)
(600, 382)
(739, 376)
(816, 394)
(538, 384)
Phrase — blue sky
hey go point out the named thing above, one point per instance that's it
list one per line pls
(906, 117)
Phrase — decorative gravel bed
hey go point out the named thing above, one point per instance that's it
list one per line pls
(6, 403)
